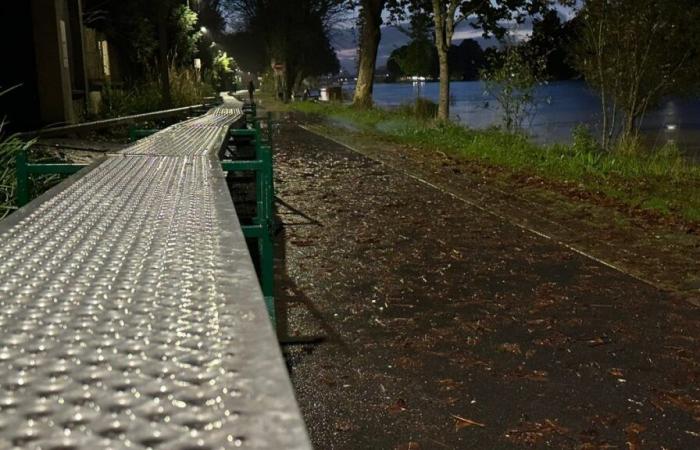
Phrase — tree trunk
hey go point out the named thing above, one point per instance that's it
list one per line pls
(444, 18)
(370, 34)
(163, 66)
(444, 99)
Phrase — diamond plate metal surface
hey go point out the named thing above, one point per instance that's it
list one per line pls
(198, 136)
(131, 315)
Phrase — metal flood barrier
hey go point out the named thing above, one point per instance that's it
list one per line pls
(131, 315)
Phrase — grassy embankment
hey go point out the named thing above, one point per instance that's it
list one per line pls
(661, 181)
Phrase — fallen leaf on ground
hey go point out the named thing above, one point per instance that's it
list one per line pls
(408, 446)
(511, 348)
(633, 430)
(461, 422)
(398, 406)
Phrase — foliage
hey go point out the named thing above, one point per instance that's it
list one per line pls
(660, 180)
(466, 60)
(222, 65)
(512, 79)
(415, 59)
(210, 14)
(248, 50)
(551, 42)
(421, 108)
(132, 28)
(488, 16)
(184, 34)
(146, 97)
(418, 57)
(295, 35)
(9, 147)
(635, 54)
(583, 140)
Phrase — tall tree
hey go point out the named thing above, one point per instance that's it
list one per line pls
(551, 41)
(488, 16)
(418, 58)
(466, 60)
(370, 22)
(635, 53)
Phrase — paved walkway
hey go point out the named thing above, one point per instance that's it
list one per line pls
(447, 327)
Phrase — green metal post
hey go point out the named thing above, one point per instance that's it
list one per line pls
(22, 178)
(269, 128)
(139, 133)
(267, 251)
(259, 182)
(262, 228)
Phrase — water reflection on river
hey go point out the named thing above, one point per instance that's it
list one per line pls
(560, 107)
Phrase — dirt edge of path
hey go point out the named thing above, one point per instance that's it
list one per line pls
(662, 254)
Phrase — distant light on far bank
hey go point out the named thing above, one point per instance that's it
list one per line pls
(671, 127)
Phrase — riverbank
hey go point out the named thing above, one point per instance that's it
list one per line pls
(662, 183)
(559, 107)
(659, 247)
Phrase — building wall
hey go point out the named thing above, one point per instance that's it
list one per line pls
(19, 108)
(42, 47)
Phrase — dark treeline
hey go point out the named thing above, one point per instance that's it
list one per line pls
(634, 52)
(288, 39)
(551, 41)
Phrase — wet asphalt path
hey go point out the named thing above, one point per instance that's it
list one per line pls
(445, 327)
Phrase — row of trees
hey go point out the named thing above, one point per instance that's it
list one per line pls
(445, 15)
(292, 37)
(634, 52)
(550, 44)
(160, 34)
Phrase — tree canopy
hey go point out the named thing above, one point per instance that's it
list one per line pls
(294, 34)
(635, 54)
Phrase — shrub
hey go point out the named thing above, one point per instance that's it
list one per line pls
(422, 108)
(9, 146)
(145, 96)
(583, 141)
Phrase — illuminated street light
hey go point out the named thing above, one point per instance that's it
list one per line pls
(204, 30)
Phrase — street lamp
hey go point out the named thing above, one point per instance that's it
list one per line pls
(204, 30)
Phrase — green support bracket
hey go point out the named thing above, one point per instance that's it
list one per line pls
(54, 169)
(25, 169)
(262, 229)
(253, 231)
(242, 166)
(244, 132)
(136, 133)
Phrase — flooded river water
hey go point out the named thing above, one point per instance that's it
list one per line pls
(560, 106)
